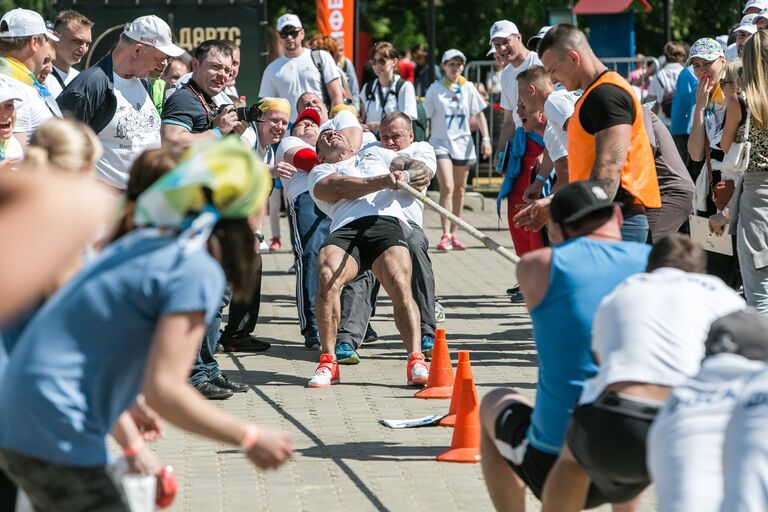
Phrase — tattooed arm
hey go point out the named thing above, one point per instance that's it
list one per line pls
(418, 170)
(611, 147)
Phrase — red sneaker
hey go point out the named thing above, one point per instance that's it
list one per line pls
(275, 245)
(327, 372)
(456, 243)
(418, 373)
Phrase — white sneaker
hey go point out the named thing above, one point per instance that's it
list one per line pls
(263, 247)
(439, 313)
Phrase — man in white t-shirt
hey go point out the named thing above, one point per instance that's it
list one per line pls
(25, 49)
(648, 337)
(358, 298)
(685, 443)
(513, 54)
(113, 97)
(359, 192)
(296, 72)
(74, 32)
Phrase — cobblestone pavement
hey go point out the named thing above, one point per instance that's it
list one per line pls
(344, 459)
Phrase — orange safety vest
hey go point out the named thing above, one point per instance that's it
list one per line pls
(638, 177)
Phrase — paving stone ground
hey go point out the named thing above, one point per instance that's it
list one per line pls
(345, 460)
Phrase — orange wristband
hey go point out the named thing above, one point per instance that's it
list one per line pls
(250, 437)
(135, 447)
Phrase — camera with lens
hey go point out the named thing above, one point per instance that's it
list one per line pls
(250, 114)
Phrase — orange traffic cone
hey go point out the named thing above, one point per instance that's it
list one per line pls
(463, 371)
(440, 383)
(465, 445)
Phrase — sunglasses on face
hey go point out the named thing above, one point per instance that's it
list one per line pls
(285, 34)
(380, 61)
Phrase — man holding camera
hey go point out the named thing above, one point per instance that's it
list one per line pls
(190, 114)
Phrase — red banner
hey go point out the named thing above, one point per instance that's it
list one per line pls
(336, 18)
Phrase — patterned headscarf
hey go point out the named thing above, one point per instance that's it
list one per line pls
(238, 181)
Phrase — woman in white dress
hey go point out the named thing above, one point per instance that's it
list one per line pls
(453, 104)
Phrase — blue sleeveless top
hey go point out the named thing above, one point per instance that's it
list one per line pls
(583, 271)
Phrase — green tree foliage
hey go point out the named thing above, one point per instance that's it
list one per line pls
(41, 6)
(464, 24)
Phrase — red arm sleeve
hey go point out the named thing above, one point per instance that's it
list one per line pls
(305, 159)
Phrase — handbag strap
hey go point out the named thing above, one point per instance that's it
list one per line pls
(746, 127)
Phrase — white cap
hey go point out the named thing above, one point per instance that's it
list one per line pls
(502, 28)
(755, 4)
(761, 15)
(452, 54)
(288, 20)
(491, 51)
(560, 105)
(10, 93)
(540, 35)
(24, 23)
(152, 31)
(749, 28)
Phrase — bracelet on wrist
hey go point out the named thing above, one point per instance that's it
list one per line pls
(486, 139)
(250, 437)
(134, 448)
(216, 132)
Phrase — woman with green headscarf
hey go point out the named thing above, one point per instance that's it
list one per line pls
(132, 321)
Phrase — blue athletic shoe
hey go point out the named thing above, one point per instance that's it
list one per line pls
(345, 354)
(427, 344)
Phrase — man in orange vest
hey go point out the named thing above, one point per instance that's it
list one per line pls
(607, 141)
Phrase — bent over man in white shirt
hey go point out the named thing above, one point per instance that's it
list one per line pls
(369, 227)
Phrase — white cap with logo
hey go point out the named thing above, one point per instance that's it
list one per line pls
(755, 4)
(288, 20)
(539, 36)
(503, 28)
(152, 31)
(24, 23)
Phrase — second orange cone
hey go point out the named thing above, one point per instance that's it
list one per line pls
(465, 444)
(463, 371)
(440, 383)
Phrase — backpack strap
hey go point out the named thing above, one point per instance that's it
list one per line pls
(317, 59)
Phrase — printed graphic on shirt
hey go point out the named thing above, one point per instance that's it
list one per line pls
(135, 125)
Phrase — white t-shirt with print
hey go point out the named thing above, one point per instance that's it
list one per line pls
(509, 84)
(367, 163)
(665, 82)
(449, 110)
(289, 78)
(34, 109)
(404, 102)
(134, 128)
(53, 85)
(685, 442)
(745, 450)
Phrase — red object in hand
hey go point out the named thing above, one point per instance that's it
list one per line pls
(166, 487)
(305, 159)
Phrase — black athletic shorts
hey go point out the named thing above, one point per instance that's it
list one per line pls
(366, 239)
(607, 438)
(530, 464)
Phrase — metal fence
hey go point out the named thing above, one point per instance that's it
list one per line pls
(482, 175)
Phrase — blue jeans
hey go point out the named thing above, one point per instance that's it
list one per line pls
(310, 229)
(635, 229)
(206, 367)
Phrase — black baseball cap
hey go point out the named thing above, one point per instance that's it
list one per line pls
(744, 333)
(577, 200)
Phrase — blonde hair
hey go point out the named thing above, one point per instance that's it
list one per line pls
(755, 77)
(68, 145)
